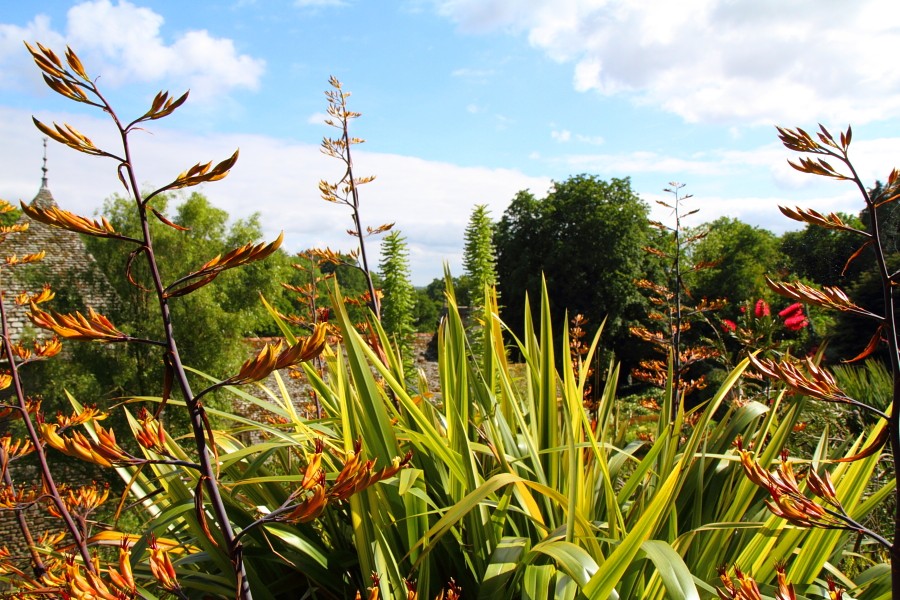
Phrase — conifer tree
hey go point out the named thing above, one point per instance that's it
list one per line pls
(398, 303)
(479, 257)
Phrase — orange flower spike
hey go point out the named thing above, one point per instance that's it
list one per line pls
(312, 475)
(151, 434)
(54, 440)
(48, 348)
(749, 589)
(123, 578)
(754, 472)
(822, 487)
(94, 327)
(162, 568)
(88, 413)
(310, 508)
(21, 352)
(79, 446)
(10, 449)
(785, 589)
(108, 446)
(745, 589)
(87, 586)
(305, 349)
(784, 477)
(834, 592)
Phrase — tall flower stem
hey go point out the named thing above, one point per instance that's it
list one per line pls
(173, 361)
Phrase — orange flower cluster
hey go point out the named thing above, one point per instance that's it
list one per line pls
(105, 452)
(787, 501)
(81, 500)
(355, 476)
(743, 587)
(451, 592)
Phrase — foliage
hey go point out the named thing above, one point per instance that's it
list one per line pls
(675, 312)
(479, 260)
(586, 238)
(399, 295)
(749, 253)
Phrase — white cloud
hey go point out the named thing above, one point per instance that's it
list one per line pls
(736, 63)
(123, 43)
(429, 201)
(15, 67)
(594, 140)
(561, 135)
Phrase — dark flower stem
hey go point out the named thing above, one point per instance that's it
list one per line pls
(173, 361)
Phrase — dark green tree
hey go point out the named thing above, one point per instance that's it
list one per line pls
(586, 238)
(821, 255)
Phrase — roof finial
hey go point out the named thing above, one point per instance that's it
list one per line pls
(44, 168)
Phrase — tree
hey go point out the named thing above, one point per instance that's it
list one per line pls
(746, 255)
(821, 255)
(398, 304)
(225, 313)
(586, 238)
(479, 260)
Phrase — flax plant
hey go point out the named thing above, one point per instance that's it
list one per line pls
(821, 152)
(69, 78)
(676, 310)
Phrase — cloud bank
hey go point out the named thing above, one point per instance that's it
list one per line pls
(123, 43)
(429, 201)
(715, 61)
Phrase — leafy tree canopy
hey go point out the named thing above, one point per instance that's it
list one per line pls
(212, 320)
(746, 254)
(586, 238)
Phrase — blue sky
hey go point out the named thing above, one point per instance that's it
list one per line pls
(464, 102)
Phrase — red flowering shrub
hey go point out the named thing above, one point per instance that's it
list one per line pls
(793, 316)
(761, 309)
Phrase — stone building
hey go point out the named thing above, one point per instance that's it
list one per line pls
(71, 271)
(68, 266)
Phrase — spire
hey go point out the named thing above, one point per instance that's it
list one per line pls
(44, 168)
(44, 198)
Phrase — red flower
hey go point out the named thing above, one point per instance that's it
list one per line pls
(796, 322)
(728, 325)
(794, 319)
(795, 308)
(761, 309)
